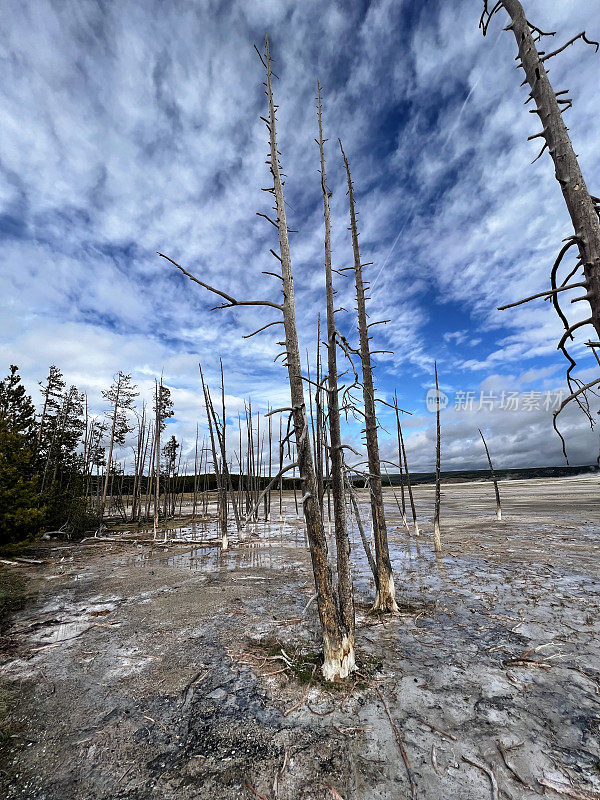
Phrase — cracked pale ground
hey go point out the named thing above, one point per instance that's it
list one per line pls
(155, 671)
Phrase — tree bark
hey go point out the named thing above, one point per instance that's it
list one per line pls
(385, 597)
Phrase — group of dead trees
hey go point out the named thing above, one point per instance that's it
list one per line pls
(159, 487)
(164, 484)
(334, 594)
(76, 452)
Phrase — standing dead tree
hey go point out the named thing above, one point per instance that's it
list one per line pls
(385, 596)
(338, 649)
(436, 519)
(360, 526)
(138, 462)
(583, 208)
(493, 474)
(219, 479)
(195, 491)
(403, 460)
(224, 482)
(336, 453)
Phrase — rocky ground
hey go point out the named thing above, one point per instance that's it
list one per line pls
(141, 670)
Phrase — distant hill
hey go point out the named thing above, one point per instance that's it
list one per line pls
(463, 475)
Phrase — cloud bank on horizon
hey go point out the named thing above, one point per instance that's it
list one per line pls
(133, 128)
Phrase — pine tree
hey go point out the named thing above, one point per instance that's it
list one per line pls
(121, 396)
(163, 409)
(21, 509)
(51, 391)
(170, 454)
(16, 407)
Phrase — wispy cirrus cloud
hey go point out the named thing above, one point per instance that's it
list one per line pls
(133, 128)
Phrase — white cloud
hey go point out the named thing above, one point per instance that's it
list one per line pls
(122, 136)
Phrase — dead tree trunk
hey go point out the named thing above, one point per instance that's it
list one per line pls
(320, 425)
(157, 427)
(226, 473)
(583, 208)
(436, 521)
(221, 486)
(138, 464)
(195, 500)
(336, 453)
(139, 505)
(338, 649)
(493, 474)
(361, 530)
(268, 497)
(385, 598)
(150, 482)
(402, 493)
(281, 478)
(406, 470)
(337, 645)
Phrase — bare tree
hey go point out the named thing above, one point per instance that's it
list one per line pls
(221, 487)
(195, 500)
(583, 207)
(493, 474)
(403, 459)
(139, 460)
(336, 453)
(361, 528)
(436, 520)
(222, 473)
(338, 649)
(385, 597)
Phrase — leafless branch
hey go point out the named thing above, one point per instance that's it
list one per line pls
(572, 396)
(570, 42)
(231, 301)
(264, 327)
(546, 295)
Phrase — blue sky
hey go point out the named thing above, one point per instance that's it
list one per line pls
(129, 128)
